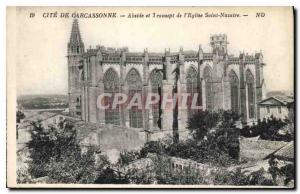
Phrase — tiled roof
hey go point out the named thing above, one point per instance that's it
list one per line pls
(285, 100)
(286, 152)
(40, 116)
(258, 149)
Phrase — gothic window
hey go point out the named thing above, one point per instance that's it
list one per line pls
(111, 85)
(208, 88)
(156, 78)
(78, 101)
(192, 89)
(251, 93)
(234, 91)
(82, 75)
(76, 76)
(134, 83)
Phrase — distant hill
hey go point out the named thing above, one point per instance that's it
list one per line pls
(42, 101)
(279, 93)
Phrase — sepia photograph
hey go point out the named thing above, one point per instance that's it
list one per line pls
(150, 97)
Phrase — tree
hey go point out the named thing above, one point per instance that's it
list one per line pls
(75, 169)
(215, 138)
(152, 147)
(268, 129)
(128, 156)
(202, 123)
(288, 171)
(55, 153)
(20, 115)
(51, 143)
(258, 178)
(239, 177)
(110, 176)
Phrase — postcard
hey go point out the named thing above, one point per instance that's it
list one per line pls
(150, 97)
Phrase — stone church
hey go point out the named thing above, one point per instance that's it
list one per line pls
(223, 81)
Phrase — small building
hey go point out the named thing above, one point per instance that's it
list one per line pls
(276, 106)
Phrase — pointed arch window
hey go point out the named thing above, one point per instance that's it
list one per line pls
(78, 101)
(192, 89)
(208, 88)
(134, 84)
(234, 91)
(156, 78)
(111, 86)
(250, 93)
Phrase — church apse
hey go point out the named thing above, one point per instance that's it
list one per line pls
(221, 80)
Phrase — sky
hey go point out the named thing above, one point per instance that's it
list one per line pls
(41, 42)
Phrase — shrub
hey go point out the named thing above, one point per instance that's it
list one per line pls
(55, 153)
(267, 130)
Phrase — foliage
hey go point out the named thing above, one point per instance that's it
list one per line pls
(20, 115)
(51, 143)
(214, 140)
(146, 176)
(200, 124)
(268, 129)
(128, 156)
(287, 171)
(162, 173)
(79, 168)
(23, 176)
(237, 177)
(55, 153)
(156, 147)
(110, 176)
(258, 178)
(206, 122)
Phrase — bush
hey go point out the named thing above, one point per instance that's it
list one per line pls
(156, 147)
(50, 144)
(127, 157)
(55, 153)
(214, 140)
(267, 130)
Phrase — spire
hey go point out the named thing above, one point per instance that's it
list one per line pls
(75, 45)
(75, 33)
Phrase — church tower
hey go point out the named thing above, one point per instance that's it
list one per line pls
(75, 70)
(219, 44)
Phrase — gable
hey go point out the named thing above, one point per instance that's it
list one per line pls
(272, 102)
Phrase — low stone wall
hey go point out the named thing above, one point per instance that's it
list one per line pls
(115, 137)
